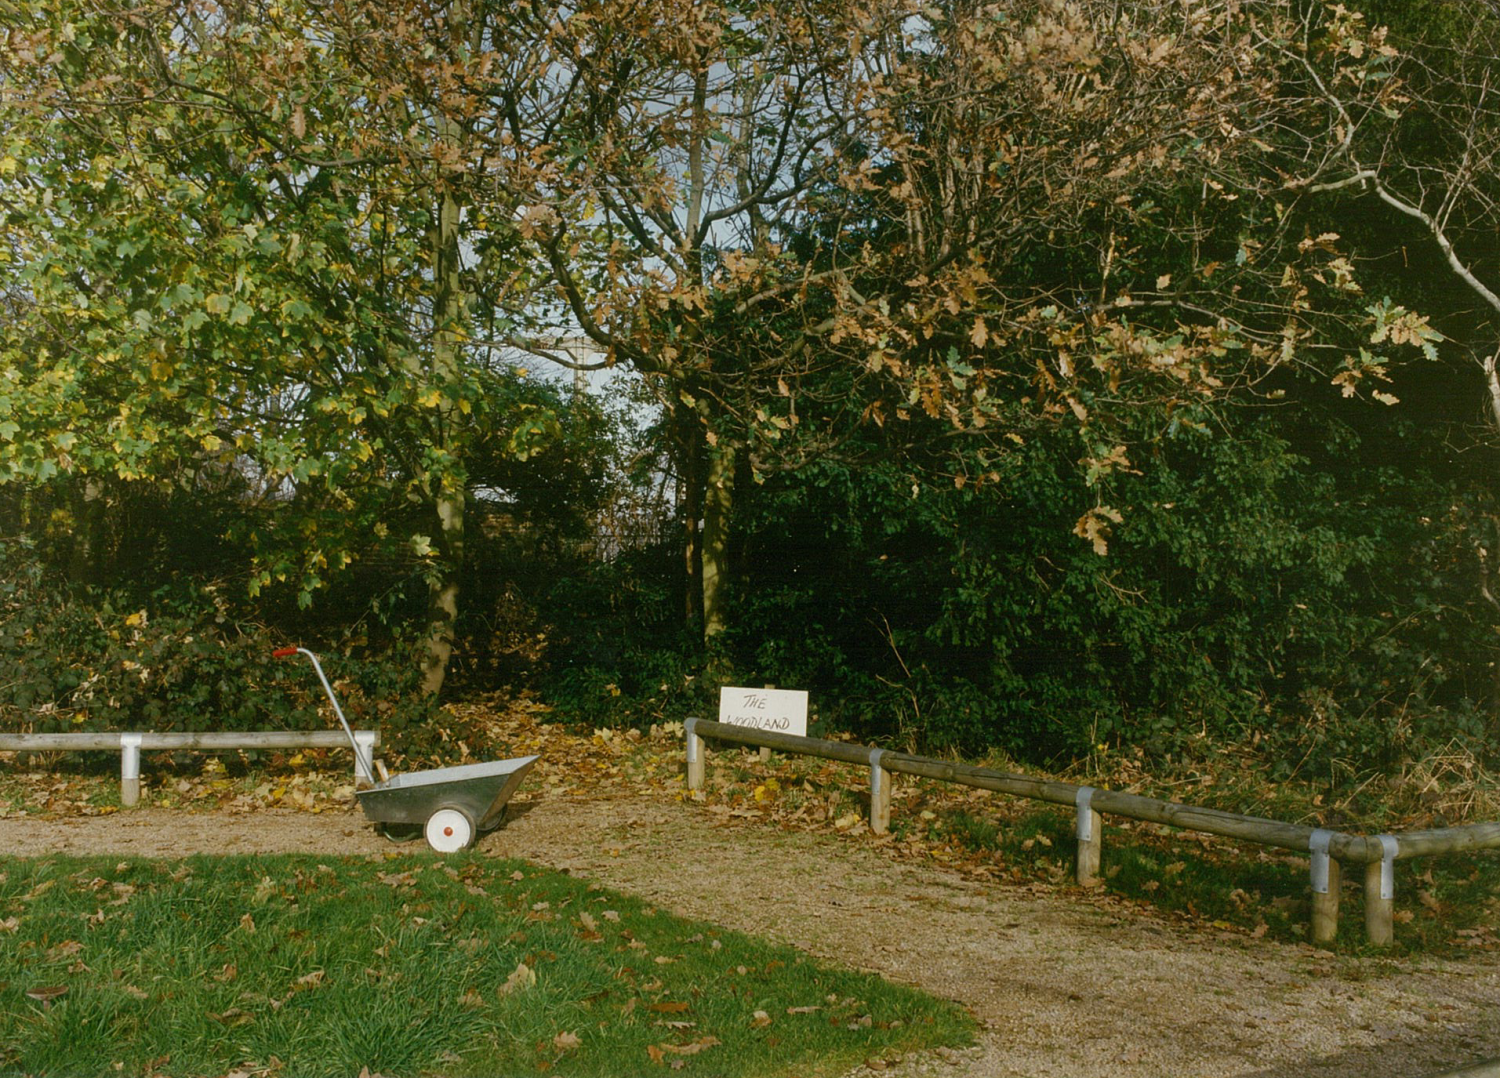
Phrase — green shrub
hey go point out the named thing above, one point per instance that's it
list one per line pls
(1257, 586)
(178, 659)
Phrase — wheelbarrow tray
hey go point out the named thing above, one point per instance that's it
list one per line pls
(478, 790)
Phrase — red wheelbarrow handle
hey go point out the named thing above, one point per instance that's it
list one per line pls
(282, 653)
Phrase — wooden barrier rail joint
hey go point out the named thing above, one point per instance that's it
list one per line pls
(1390, 848)
(880, 794)
(1317, 845)
(130, 768)
(1085, 799)
(1325, 878)
(695, 763)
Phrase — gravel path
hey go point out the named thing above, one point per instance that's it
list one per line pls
(1063, 984)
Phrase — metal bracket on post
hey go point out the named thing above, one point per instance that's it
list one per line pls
(880, 794)
(694, 753)
(364, 756)
(130, 769)
(1390, 847)
(1084, 799)
(1317, 843)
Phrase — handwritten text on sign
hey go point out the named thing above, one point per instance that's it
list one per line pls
(783, 711)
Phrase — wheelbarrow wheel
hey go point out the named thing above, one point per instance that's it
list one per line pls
(449, 830)
(400, 832)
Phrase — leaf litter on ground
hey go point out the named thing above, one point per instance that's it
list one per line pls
(972, 832)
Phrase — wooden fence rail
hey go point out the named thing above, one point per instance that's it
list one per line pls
(1327, 850)
(130, 746)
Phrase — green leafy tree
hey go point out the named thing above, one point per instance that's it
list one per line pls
(244, 246)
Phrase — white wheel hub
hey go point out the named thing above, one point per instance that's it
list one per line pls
(449, 830)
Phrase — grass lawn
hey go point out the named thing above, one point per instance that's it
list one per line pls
(411, 965)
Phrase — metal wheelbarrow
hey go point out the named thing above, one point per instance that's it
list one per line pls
(450, 806)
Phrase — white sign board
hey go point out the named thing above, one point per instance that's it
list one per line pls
(782, 711)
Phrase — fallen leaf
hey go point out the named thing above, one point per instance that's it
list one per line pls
(248, 924)
(566, 1041)
(668, 1007)
(522, 977)
(760, 1020)
(691, 1049)
(66, 949)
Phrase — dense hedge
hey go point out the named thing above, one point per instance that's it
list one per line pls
(180, 657)
(1259, 587)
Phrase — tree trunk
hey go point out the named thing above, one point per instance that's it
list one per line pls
(448, 495)
(88, 523)
(690, 478)
(718, 500)
(442, 594)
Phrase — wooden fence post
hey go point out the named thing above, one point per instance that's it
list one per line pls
(1380, 894)
(1090, 837)
(880, 795)
(1326, 878)
(694, 755)
(130, 769)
